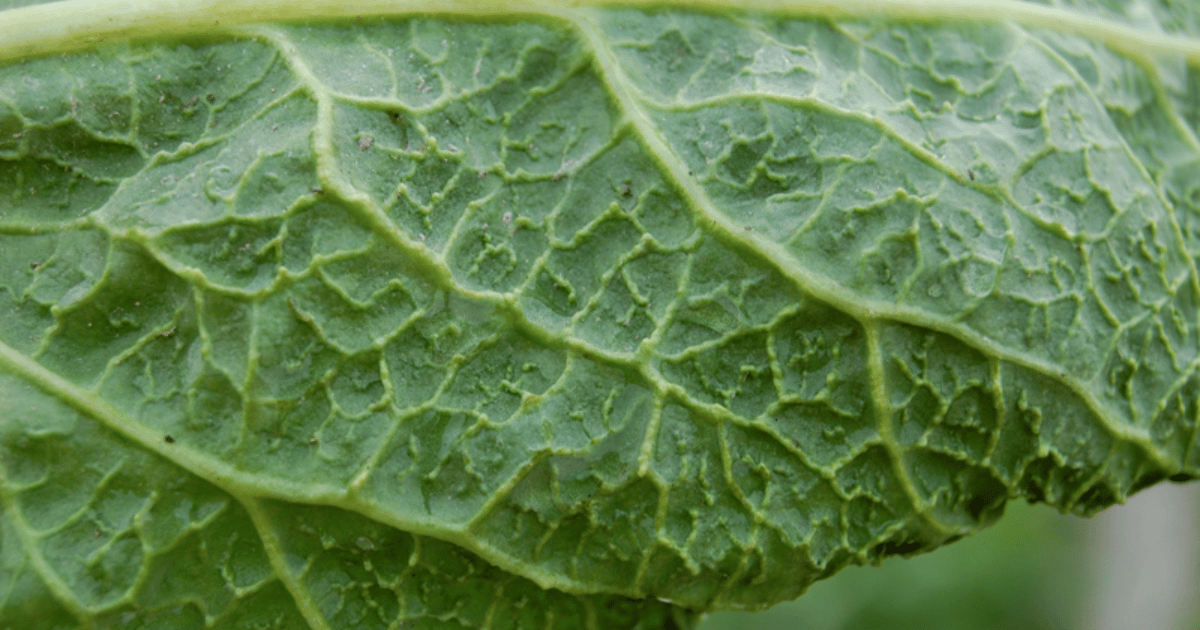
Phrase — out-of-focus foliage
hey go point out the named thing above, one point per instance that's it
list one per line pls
(1034, 570)
(1010, 576)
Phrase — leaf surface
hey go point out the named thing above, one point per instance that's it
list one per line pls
(597, 317)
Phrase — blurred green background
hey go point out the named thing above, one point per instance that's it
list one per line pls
(1133, 567)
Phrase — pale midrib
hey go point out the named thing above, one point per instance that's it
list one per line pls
(71, 25)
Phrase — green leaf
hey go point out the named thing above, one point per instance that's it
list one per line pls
(350, 317)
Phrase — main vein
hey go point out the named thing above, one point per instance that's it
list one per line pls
(71, 25)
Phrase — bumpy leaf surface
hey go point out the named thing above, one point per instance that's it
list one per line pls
(578, 318)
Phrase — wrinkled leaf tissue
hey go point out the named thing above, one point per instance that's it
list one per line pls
(592, 318)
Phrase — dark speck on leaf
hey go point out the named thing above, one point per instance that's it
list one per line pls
(168, 439)
(971, 174)
(35, 264)
(211, 98)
